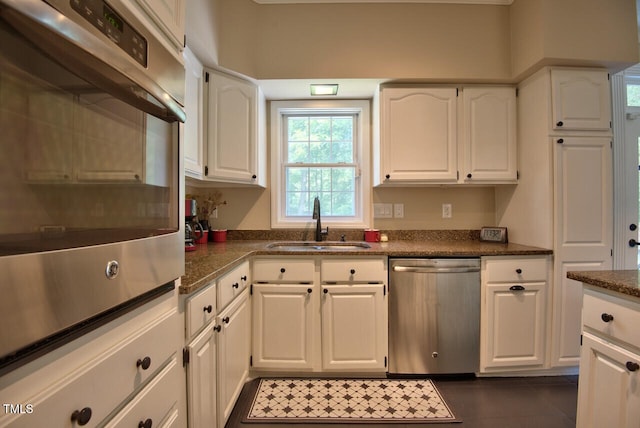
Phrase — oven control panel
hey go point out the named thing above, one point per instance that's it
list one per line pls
(110, 23)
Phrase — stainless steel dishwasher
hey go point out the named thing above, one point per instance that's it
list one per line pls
(434, 316)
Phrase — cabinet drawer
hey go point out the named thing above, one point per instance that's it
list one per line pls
(201, 308)
(103, 383)
(232, 284)
(284, 270)
(157, 402)
(347, 269)
(517, 269)
(612, 316)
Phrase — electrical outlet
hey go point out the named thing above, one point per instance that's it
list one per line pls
(446, 211)
(398, 210)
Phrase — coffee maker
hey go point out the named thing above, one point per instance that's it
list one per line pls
(192, 229)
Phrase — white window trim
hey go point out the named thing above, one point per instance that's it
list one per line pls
(363, 145)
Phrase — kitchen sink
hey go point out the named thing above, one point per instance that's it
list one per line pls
(326, 245)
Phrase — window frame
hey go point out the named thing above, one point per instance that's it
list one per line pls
(362, 148)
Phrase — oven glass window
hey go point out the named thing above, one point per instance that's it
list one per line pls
(78, 167)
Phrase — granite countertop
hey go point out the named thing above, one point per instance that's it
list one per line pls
(212, 260)
(621, 281)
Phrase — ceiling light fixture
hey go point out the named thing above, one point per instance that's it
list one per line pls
(324, 89)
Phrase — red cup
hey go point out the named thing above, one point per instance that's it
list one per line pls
(204, 236)
(219, 235)
(372, 235)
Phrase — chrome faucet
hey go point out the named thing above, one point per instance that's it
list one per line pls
(316, 216)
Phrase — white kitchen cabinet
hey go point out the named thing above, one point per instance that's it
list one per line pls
(232, 284)
(608, 393)
(169, 16)
(513, 313)
(119, 367)
(418, 132)
(489, 135)
(201, 378)
(563, 200)
(234, 353)
(285, 319)
(235, 146)
(431, 135)
(354, 327)
(581, 100)
(194, 107)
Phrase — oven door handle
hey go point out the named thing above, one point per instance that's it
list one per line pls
(81, 52)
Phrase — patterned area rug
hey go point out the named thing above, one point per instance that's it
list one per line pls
(348, 400)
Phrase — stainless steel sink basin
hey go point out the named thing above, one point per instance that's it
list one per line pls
(326, 245)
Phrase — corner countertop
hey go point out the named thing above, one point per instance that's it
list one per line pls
(621, 281)
(212, 260)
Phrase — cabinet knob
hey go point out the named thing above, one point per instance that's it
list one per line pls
(633, 227)
(217, 328)
(606, 317)
(282, 270)
(632, 366)
(519, 271)
(225, 320)
(145, 424)
(559, 123)
(388, 176)
(309, 290)
(352, 271)
(235, 285)
(633, 242)
(145, 363)
(243, 277)
(560, 140)
(254, 176)
(82, 417)
(325, 291)
(516, 288)
(208, 309)
(469, 175)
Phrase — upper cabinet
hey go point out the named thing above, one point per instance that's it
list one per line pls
(580, 100)
(234, 124)
(193, 126)
(168, 16)
(434, 135)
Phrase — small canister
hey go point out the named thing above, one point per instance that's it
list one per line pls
(219, 235)
(372, 235)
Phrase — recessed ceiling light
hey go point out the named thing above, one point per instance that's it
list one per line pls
(324, 89)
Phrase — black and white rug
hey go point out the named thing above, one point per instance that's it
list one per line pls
(348, 400)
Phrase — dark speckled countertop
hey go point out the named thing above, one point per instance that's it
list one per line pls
(621, 281)
(212, 260)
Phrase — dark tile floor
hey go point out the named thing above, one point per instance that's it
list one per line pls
(529, 402)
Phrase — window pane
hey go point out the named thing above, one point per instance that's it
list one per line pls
(320, 152)
(320, 128)
(298, 128)
(343, 204)
(334, 186)
(298, 152)
(298, 204)
(342, 151)
(633, 95)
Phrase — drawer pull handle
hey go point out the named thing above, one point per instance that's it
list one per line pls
(282, 270)
(243, 277)
(352, 271)
(632, 366)
(606, 317)
(516, 288)
(519, 271)
(145, 363)
(208, 309)
(82, 417)
(235, 285)
(145, 424)
(217, 328)
(225, 320)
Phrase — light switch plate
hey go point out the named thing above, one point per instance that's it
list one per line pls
(382, 211)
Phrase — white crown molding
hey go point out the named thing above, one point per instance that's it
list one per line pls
(494, 2)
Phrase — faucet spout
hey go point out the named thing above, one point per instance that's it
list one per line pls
(316, 216)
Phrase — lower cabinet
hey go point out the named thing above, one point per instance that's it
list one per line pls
(513, 313)
(201, 379)
(608, 391)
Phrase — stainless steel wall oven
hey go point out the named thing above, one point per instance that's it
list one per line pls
(90, 224)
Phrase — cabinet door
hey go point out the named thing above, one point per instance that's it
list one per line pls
(418, 135)
(193, 127)
(201, 379)
(608, 394)
(583, 232)
(169, 15)
(489, 128)
(354, 327)
(284, 325)
(581, 100)
(513, 325)
(231, 129)
(234, 351)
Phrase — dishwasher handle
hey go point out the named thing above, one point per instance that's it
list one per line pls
(426, 269)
